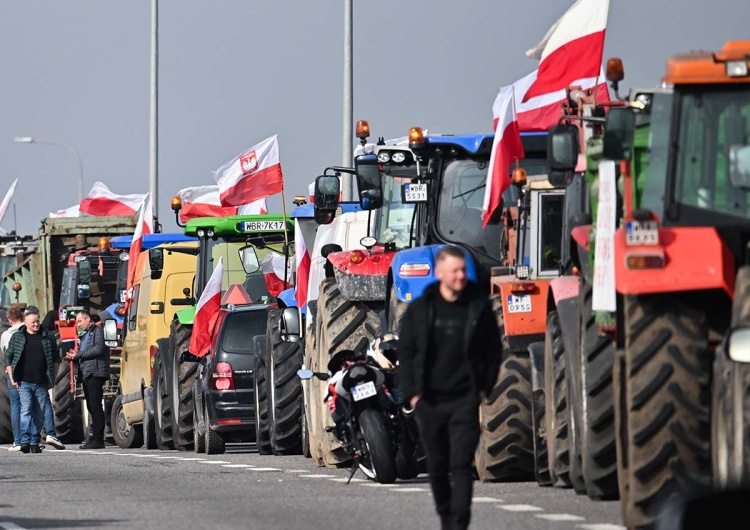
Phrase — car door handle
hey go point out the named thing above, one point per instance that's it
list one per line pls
(157, 308)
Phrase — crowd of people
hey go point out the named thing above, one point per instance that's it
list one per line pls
(32, 359)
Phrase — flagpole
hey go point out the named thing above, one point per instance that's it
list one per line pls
(286, 239)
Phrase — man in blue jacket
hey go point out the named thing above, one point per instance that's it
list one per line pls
(93, 356)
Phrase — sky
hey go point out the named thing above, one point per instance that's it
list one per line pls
(234, 72)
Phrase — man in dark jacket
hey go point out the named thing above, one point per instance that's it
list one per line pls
(93, 356)
(32, 359)
(449, 361)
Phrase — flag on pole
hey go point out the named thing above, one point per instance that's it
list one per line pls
(207, 312)
(258, 207)
(273, 266)
(73, 211)
(572, 48)
(506, 148)
(101, 201)
(204, 201)
(6, 200)
(302, 257)
(145, 226)
(252, 175)
(542, 112)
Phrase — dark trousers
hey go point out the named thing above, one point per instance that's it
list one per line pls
(93, 391)
(450, 434)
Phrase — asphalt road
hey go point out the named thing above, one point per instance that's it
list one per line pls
(115, 488)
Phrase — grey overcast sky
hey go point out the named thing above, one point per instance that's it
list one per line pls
(233, 72)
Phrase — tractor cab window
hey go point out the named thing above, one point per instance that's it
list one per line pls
(395, 217)
(550, 233)
(254, 283)
(713, 123)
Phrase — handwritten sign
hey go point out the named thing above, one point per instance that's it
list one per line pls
(604, 296)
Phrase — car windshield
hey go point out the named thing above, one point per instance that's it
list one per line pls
(253, 284)
(714, 126)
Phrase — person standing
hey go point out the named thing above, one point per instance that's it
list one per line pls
(449, 360)
(93, 356)
(49, 415)
(14, 314)
(32, 360)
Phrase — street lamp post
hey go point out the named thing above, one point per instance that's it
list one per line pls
(34, 140)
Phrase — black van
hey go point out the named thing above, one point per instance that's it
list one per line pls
(223, 389)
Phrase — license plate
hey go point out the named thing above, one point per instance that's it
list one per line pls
(363, 391)
(123, 297)
(519, 304)
(261, 226)
(641, 233)
(415, 192)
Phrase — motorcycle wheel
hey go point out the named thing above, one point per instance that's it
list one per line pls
(378, 463)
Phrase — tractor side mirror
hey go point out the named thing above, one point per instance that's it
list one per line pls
(110, 332)
(739, 166)
(619, 132)
(327, 190)
(249, 259)
(562, 154)
(368, 184)
(291, 330)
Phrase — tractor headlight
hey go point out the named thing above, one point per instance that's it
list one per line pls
(201, 233)
(383, 157)
(398, 157)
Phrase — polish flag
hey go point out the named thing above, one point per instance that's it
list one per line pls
(272, 266)
(506, 148)
(73, 211)
(572, 48)
(542, 112)
(101, 201)
(6, 200)
(203, 201)
(145, 226)
(258, 207)
(206, 313)
(253, 175)
(302, 257)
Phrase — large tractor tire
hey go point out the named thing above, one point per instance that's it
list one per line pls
(556, 403)
(598, 448)
(162, 405)
(506, 443)
(396, 310)
(538, 426)
(260, 387)
(668, 383)
(619, 387)
(285, 400)
(183, 376)
(730, 407)
(343, 325)
(313, 400)
(6, 428)
(68, 414)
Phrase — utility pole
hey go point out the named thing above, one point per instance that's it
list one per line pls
(153, 173)
(348, 124)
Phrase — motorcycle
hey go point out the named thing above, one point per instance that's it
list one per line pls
(367, 420)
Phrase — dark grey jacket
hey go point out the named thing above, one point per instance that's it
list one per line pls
(94, 357)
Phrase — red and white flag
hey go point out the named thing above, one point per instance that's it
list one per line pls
(206, 313)
(253, 175)
(145, 226)
(273, 266)
(73, 211)
(6, 200)
(302, 257)
(540, 113)
(258, 207)
(204, 201)
(506, 149)
(101, 201)
(572, 48)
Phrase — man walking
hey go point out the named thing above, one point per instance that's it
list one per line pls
(14, 314)
(449, 360)
(32, 360)
(93, 355)
(49, 415)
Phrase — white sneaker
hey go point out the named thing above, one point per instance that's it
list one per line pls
(14, 447)
(54, 442)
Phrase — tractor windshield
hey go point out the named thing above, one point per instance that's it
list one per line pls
(254, 284)
(395, 219)
(462, 200)
(714, 125)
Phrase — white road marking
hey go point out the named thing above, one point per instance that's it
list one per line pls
(297, 470)
(215, 462)
(314, 476)
(166, 457)
(486, 499)
(236, 465)
(377, 485)
(11, 526)
(408, 489)
(191, 459)
(347, 480)
(264, 469)
(519, 508)
(602, 526)
(560, 517)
